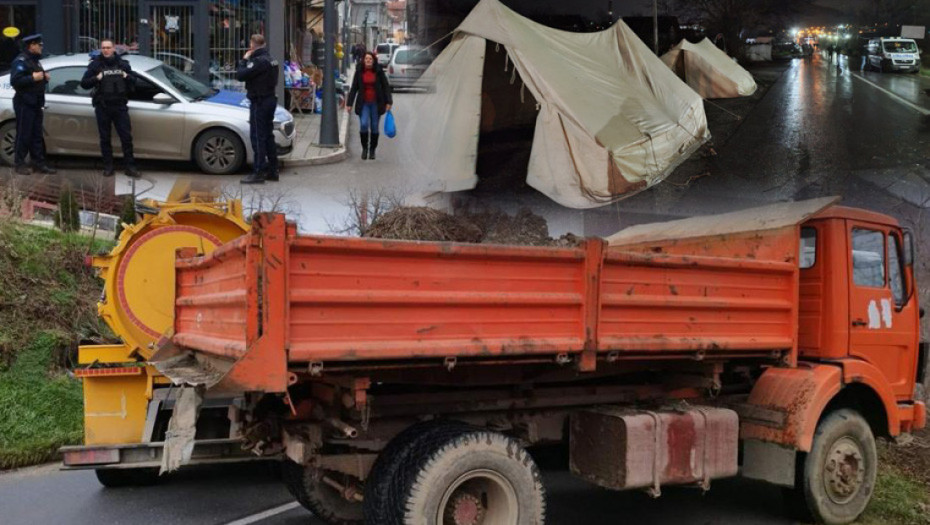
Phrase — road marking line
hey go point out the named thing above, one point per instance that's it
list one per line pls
(894, 95)
(254, 518)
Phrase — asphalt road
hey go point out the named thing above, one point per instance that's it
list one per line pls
(243, 494)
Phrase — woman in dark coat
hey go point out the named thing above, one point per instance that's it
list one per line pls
(370, 95)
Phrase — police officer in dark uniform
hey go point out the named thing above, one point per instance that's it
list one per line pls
(29, 78)
(260, 73)
(112, 81)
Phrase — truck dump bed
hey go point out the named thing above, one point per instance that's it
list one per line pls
(274, 299)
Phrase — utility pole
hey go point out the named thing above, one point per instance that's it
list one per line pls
(655, 26)
(329, 128)
(345, 35)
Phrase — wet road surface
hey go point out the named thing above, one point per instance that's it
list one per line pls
(230, 494)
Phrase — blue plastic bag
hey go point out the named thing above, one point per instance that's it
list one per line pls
(390, 128)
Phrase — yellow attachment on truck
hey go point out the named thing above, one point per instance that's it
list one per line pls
(138, 300)
(138, 305)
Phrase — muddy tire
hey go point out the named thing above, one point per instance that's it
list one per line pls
(382, 489)
(134, 477)
(474, 477)
(837, 477)
(325, 502)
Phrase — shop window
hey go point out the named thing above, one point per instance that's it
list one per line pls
(116, 20)
(231, 27)
(22, 18)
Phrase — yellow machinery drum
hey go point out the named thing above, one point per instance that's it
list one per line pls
(138, 305)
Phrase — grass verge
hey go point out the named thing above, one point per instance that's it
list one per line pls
(48, 307)
(39, 410)
(898, 500)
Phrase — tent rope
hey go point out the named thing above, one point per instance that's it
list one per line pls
(447, 35)
(725, 110)
(522, 85)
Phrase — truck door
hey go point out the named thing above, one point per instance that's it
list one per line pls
(882, 320)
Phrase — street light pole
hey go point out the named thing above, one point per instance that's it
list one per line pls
(329, 129)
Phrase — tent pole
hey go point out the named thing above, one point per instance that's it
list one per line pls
(655, 26)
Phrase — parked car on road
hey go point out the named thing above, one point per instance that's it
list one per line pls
(407, 66)
(174, 117)
(385, 51)
(894, 54)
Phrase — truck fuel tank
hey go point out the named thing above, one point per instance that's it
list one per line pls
(621, 448)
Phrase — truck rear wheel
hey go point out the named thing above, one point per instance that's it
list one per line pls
(126, 477)
(838, 474)
(382, 487)
(325, 502)
(476, 477)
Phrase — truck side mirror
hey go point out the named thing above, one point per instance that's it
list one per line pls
(908, 248)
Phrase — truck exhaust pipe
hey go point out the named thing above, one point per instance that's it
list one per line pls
(344, 429)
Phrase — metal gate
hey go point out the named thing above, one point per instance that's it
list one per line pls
(172, 28)
(231, 26)
(111, 19)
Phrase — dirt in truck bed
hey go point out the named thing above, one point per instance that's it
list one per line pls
(485, 226)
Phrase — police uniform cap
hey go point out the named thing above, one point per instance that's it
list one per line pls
(32, 38)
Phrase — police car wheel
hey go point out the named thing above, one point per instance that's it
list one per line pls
(219, 152)
(8, 142)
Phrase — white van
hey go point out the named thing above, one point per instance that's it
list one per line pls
(385, 51)
(894, 54)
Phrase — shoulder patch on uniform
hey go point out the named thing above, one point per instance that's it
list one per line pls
(20, 67)
(274, 62)
(250, 65)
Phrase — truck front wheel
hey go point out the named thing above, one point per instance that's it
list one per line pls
(838, 474)
(307, 485)
(475, 477)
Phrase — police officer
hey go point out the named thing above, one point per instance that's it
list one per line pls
(29, 78)
(112, 81)
(260, 73)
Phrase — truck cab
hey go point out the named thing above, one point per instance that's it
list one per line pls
(858, 296)
(894, 54)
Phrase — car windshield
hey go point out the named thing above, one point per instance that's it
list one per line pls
(384, 49)
(900, 47)
(412, 57)
(191, 88)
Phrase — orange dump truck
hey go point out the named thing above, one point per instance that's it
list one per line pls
(404, 381)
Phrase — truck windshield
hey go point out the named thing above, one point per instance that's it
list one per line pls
(903, 46)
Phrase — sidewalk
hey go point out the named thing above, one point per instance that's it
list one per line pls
(307, 151)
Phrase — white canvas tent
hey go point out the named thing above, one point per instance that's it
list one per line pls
(759, 52)
(612, 119)
(709, 71)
